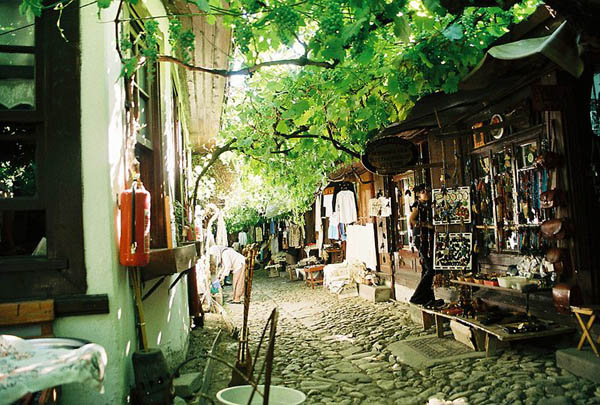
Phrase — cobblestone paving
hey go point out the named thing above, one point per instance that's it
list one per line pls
(334, 351)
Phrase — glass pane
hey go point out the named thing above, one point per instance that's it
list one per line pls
(21, 232)
(15, 29)
(144, 117)
(17, 81)
(595, 104)
(17, 168)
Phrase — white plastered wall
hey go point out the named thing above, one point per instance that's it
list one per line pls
(103, 140)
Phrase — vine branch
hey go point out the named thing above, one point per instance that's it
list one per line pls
(301, 61)
(215, 156)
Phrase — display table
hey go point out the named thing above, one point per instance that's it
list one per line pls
(487, 336)
(33, 365)
(314, 275)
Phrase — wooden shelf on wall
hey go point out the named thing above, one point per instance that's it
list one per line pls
(164, 262)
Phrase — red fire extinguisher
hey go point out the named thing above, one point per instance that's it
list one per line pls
(135, 226)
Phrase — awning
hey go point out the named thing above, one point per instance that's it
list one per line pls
(527, 55)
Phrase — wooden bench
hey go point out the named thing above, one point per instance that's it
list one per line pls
(28, 319)
(487, 337)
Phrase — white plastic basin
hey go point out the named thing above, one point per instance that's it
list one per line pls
(277, 396)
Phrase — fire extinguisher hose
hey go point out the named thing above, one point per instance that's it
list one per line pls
(133, 236)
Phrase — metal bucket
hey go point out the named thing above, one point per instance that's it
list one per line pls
(277, 396)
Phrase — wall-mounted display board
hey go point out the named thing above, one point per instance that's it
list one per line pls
(452, 251)
(451, 206)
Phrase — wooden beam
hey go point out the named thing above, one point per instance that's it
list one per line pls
(26, 312)
(81, 304)
(22, 264)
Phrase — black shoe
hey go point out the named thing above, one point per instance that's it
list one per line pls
(434, 304)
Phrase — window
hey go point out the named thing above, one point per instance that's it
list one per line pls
(506, 194)
(145, 105)
(405, 198)
(40, 156)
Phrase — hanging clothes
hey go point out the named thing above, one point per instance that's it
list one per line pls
(318, 213)
(295, 236)
(345, 206)
(272, 228)
(221, 238)
(243, 238)
(328, 204)
(342, 186)
(259, 234)
(333, 231)
(274, 245)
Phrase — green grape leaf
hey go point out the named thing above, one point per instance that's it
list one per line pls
(454, 32)
(402, 28)
(203, 5)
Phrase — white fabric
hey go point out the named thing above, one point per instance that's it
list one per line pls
(345, 206)
(318, 203)
(27, 366)
(336, 276)
(333, 231)
(274, 245)
(328, 204)
(221, 238)
(360, 245)
(243, 238)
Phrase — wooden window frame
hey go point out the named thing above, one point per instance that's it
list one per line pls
(401, 199)
(532, 134)
(149, 151)
(57, 118)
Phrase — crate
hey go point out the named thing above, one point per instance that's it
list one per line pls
(463, 333)
(273, 270)
(374, 293)
(291, 273)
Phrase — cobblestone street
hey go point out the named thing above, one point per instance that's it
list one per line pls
(336, 353)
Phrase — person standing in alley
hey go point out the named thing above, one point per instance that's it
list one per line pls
(421, 220)
(231, 261)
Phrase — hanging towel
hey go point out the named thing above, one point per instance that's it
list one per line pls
(318, 213)
(259, 235)
(360, 245)
(243, 238)
(333, 231)
(221, 231)
(328, 204)
(345, 206)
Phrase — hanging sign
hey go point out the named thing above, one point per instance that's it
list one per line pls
(451, 206)
(389, 155)
(452, 251)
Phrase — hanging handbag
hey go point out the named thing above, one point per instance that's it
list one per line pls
(554, 229)
(552, 199)
(560, 261)
(548, 160)
(565, 295)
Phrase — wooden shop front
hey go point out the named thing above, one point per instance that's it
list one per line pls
(510, 161)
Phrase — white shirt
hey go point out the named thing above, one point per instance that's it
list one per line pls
(229, 259)
(345, 206)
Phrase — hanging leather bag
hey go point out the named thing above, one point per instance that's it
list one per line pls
(560, 259)
(565, 295)
(548, 160)
(552, 199)
(554, 229)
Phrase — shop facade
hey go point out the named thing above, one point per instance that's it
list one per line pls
(510, 161)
